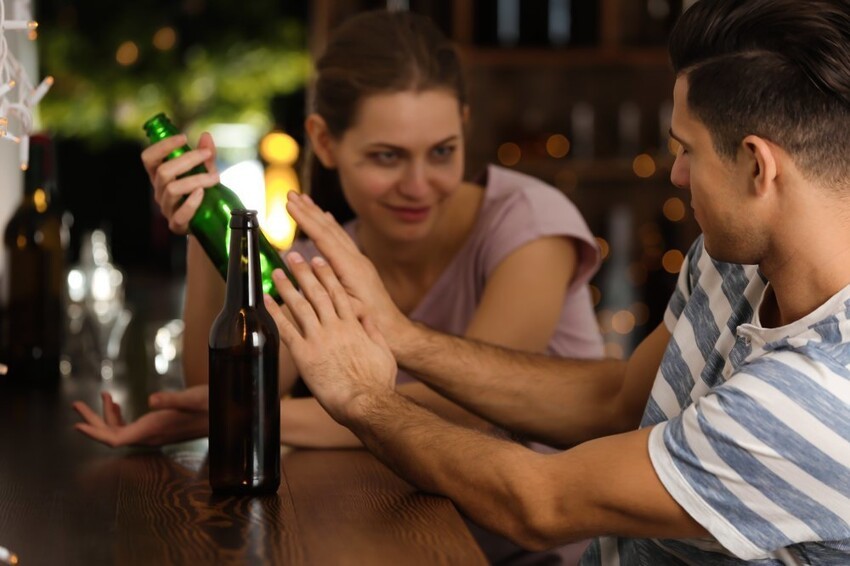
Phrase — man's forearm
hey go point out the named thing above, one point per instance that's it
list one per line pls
(557, 401)
(492, 480)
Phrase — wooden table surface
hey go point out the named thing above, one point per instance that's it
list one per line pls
(65, 499)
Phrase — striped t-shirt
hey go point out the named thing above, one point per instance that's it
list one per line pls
(752, 427)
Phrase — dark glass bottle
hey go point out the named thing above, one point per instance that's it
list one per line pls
(244, 401)
(211, 221)
(35, 244)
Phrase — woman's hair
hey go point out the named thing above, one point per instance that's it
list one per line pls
(779, 69)
(377, 52)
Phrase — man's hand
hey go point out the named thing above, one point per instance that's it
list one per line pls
(176, 416)
(354, 270)
(339, 358)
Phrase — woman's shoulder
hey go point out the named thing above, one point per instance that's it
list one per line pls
(525, 199)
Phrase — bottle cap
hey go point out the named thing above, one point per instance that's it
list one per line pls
(243, 218)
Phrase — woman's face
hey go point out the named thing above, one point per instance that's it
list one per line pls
(401, 160)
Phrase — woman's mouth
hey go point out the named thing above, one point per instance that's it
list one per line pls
(410, 213)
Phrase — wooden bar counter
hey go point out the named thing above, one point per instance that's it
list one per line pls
(65, 499)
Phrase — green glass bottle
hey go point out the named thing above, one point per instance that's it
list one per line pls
(211, 223)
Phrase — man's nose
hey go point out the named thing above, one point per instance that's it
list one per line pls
(680, 174)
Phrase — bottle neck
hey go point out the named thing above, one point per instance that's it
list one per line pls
(159, 128)
(244, 278)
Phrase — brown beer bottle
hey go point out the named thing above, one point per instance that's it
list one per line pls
(244, 403)
(35, 241)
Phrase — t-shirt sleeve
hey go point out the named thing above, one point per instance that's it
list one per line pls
(684, 284)
(763, 461)
(535, 212)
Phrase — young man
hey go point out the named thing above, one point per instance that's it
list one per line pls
(726, 436)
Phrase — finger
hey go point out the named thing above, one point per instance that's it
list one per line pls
(321, 227)
(312, 289)
(89, 415)
(111, 411)
(206, 142)
(154, 155)
(339, 298)
(178, 221)
(289, 333)
(300, 308)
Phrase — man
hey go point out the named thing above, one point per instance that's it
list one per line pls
(726, 436)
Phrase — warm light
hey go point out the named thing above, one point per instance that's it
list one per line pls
(673, 146)
(557, 146)
(644, 166)
(39, 198)
(279, 148)
(604, 317)
(509, 154)
(127, 54)
(623, 322)
(672, 261)
(38, 93)
(604, 248)
(279, 227)
(164, 38)
(674, 209)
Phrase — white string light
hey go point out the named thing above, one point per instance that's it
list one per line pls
(18, 97)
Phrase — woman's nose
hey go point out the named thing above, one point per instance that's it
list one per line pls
(414, 183)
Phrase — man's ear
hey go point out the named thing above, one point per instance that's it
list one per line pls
(762, 155)
(320, 139)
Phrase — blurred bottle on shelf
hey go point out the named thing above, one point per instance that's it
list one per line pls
(36, 240)
(536, 23)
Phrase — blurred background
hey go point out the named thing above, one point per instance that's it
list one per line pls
(575, 92)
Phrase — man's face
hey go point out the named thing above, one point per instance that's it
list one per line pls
(720, 188)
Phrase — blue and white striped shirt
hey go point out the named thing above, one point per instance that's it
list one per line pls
(751, 427)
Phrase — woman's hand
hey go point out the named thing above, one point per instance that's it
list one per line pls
(356, 273)
(175, 417)
(168, 189)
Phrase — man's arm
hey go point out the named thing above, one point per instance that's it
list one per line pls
(559, 402)
(602, 486)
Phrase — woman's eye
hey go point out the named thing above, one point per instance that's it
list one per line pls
(384, 157)
(444, 152)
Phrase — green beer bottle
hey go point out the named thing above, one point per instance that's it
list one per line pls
(211, 223)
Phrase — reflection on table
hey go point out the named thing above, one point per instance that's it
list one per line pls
(65, 499)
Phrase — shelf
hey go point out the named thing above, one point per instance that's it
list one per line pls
(577, 57)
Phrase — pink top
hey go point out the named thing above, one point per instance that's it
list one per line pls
(516, 210)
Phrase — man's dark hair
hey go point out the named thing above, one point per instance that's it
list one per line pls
(778, 69)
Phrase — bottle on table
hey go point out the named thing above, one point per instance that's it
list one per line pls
(35, 242)
(210, 223)
(244, 409)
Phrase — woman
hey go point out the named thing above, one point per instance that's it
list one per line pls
(504, 260)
